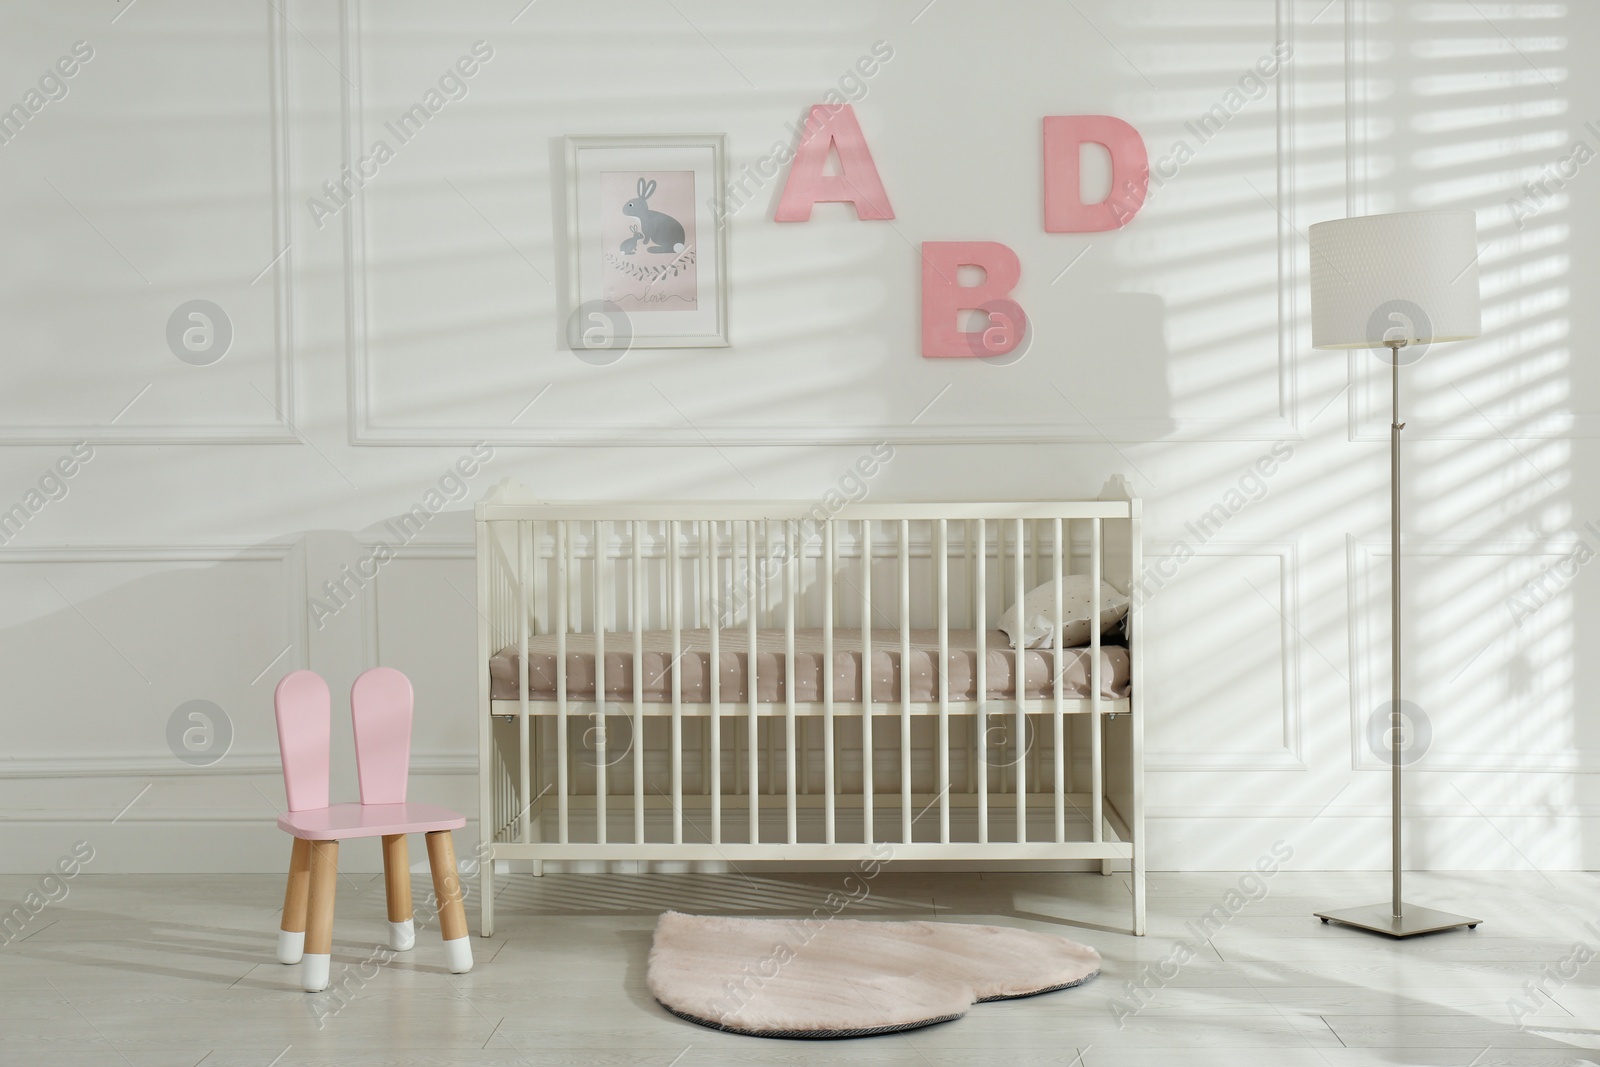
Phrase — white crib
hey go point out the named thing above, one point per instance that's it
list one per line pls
(699, 751)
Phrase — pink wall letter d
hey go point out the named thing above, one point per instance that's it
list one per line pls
(943, 298)
(1064, 138)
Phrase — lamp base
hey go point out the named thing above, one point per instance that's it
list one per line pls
(1381, 919)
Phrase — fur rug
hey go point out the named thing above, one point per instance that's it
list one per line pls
(825, 977)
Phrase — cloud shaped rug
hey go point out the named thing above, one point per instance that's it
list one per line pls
(831, 978)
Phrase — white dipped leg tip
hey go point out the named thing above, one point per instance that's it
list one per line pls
(291, 945)
(402, 935)
(314, 971)
(458, 954)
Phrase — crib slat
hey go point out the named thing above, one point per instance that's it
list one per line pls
(1038, 553)
(1036, 559)
(563, 594)
(714, 617)
(1019, 688)
(967, 541)
(905, 681)
(802, 726)
(752, 683)
(636, 617)
(1058, 722)
(942, 551)
(980, 692)
(1096, 750)
(866, 680)
(699, 581)
(767, 560)
(695, 574)
(524, 579)
(1035, 760)
(599, 554)
(675, 675)
(827, 682)
(763, 585)
(789, 585)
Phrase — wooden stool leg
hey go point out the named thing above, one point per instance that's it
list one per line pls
(319, 922)
(452, 913)
(397, 884)
(292, 931)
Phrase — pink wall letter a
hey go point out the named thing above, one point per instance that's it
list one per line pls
(857, 180)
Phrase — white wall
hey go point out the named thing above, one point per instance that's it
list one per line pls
(423, 317)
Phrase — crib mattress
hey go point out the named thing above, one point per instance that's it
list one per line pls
(733, 656)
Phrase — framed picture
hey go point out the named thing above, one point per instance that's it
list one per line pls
(646, 256)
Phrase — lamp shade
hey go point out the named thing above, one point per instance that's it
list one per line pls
(1411, 276)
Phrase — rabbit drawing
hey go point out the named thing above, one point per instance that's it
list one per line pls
(630, 243)
(664, 232)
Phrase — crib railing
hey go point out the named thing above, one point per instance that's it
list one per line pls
(622, 776)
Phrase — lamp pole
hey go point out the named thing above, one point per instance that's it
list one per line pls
(1396, 717)
(1397, 919)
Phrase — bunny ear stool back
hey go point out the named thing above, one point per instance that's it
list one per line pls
(301, 704)
(380, 712)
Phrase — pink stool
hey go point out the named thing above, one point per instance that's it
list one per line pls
(380, 711)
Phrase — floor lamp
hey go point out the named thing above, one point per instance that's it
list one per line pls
(1396, 283)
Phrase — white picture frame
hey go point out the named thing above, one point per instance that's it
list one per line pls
(646, 242)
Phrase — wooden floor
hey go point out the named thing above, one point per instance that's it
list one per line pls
(180, 970)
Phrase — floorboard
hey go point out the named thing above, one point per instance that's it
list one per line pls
(180, 970)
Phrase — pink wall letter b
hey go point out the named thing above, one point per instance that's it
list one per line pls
(1064, 138)
(857, 181)
(943, 298)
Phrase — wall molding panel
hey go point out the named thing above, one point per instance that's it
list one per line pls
(368, 426)
(280, 429)
(1291, 757)
(1366, 374)
(1367, 563)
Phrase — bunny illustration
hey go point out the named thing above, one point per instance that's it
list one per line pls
(664, 232)
(630, 243)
